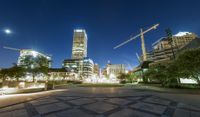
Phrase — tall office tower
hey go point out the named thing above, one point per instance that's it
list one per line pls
(79, 49)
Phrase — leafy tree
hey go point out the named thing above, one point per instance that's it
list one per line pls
(130, 77)
(165, 74)
(186, 65)
(16, 72)
(173, 75)
(122, 77)
(189, 64)
(35, 65)
(4, 73)
(157, 73)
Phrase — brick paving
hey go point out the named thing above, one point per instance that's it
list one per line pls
(78, 104)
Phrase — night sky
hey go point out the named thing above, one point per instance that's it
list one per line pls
(47, 26)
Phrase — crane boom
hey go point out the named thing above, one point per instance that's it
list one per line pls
(10, 48)
(132, 38)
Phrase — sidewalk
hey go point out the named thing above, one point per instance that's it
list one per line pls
(12, 99)
(98, 102)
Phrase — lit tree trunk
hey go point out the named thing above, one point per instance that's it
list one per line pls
(3, 80)
(178, 81)
(198, 81)
(17, 78)
(33, 77)
(196, 77)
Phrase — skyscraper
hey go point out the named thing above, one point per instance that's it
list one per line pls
(79, 49)
(79, 63)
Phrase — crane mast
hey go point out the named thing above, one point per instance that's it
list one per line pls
(143, 45)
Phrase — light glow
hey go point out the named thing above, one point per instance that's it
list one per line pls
(7, 31)
(35, 54)
(5, 90)
(79, 30)
(112, 79)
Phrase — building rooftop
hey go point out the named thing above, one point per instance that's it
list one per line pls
(179, 34)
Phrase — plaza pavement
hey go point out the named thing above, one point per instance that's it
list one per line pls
(100, 102)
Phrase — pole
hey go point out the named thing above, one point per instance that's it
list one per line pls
(170, 37)
(143, 45)
(172, 48)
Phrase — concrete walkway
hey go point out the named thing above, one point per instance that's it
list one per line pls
(100, 102)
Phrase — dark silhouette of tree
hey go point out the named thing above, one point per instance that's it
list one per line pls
(4, 73)
(188, 63)
(16, 72)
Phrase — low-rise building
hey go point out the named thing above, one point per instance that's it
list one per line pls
(82, 67)
(57, 74)
(96, 69)
(31, 57)
(115, 69)
(178, 40)
(163, 51)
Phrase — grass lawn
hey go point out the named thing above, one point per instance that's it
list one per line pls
(30, 90)
(19, 91)
(180, 86)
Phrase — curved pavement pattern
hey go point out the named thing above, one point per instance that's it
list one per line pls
(100, 102)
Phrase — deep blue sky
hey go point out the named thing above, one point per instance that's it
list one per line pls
(47, 26)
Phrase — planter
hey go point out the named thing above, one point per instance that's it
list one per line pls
(49, 86)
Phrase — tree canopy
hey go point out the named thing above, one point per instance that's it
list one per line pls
(186, 65)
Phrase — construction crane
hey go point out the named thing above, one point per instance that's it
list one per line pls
(20, 50)
(10, 48)
(141, 35)
(139, 60)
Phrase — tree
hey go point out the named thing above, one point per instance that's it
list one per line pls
(186, 65)
(35, 65)
(173, 74)
(122, 77)
(189, 64)
(130, 77)
(4, 73)
(16, 72)
(157, 73)
(166, 74)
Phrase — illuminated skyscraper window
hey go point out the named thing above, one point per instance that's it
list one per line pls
(79, 49)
